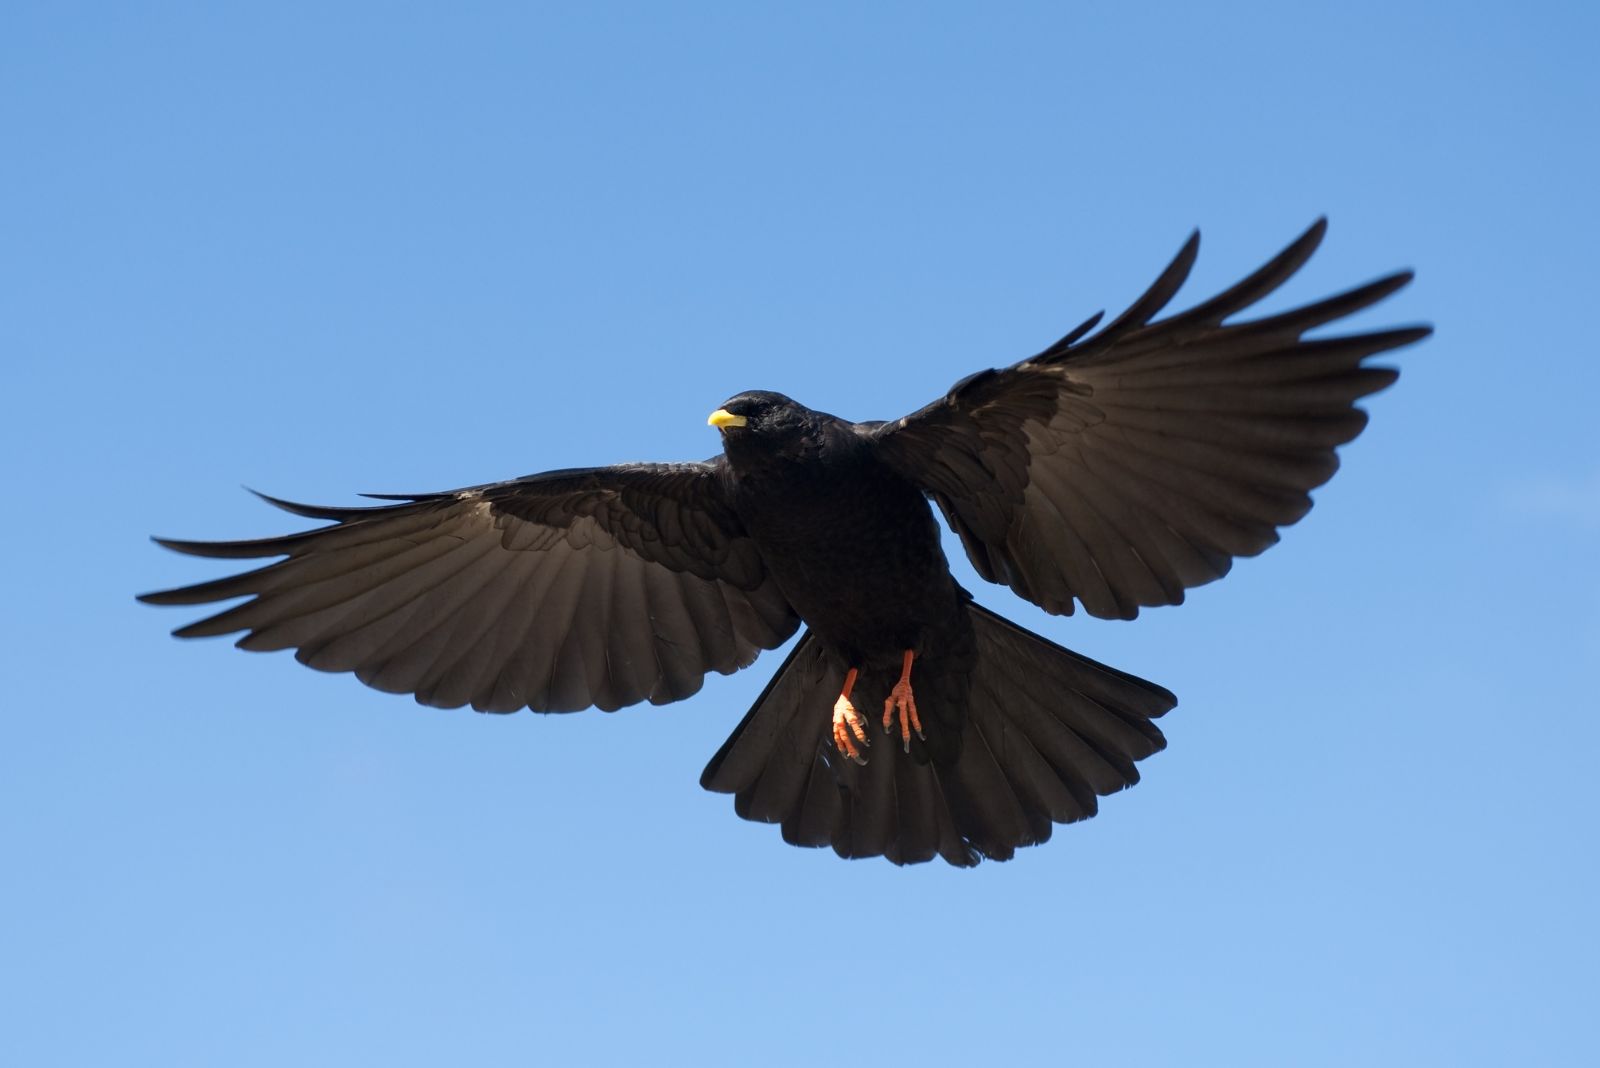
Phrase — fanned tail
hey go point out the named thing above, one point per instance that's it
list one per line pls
(1043, 734)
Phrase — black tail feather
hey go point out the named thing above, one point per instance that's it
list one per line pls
(1046, 733)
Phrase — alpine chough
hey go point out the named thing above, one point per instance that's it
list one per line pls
(1113, 470)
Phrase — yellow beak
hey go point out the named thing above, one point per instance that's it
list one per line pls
(722, 419)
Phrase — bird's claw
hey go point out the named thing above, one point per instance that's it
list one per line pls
(847, 722)
(901, 701)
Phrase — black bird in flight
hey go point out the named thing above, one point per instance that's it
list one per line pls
(1115, 469)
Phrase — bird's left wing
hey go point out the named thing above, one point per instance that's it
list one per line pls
(1119, 468)
(602, 586)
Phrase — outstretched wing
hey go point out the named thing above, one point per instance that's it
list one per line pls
(604, 586)
(1123, 467)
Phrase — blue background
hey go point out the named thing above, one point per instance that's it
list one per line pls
(320, 249)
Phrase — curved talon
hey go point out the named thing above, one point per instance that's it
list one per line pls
(902, 701)
(847, 721)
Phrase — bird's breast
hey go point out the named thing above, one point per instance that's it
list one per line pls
(856, 552)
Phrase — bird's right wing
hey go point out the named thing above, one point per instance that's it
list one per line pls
(603, 586)
(1119, 468)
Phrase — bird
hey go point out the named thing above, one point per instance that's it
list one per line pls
(1112, 471)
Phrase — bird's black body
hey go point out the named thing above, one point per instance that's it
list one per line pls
(1113, 471)
(851, 543)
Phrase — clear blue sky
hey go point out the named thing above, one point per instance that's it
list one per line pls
(321, 249)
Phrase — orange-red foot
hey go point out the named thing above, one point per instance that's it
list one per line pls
(849, 729)
(902, 702)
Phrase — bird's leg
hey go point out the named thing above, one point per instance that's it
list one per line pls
(901, 701)
(847, 721)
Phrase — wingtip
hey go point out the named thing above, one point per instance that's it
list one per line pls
(310, 511)
(163, 598)
(1309, 241)
(1062, 346)
(166, 599)
(1178, 271)
(1190, 252)
(276, 502)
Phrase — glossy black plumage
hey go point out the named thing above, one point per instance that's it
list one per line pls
(1114, 470)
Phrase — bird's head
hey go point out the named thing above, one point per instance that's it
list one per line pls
(761, 424)
(761, 414)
